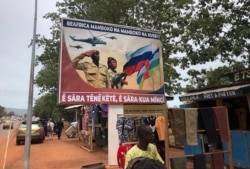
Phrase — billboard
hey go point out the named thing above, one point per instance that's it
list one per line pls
(103, 63)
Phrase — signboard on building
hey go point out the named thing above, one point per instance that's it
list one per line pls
(103, 63)
(144, 110)
(225, 92)
(239, 76)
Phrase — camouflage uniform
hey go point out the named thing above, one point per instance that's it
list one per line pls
(113, 75)
(95, 76)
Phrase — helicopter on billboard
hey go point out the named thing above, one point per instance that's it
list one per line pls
(94, 40)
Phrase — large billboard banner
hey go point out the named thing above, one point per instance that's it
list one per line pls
(103, 63)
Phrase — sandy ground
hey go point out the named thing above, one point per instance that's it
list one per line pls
(66, 153)
(51, 154)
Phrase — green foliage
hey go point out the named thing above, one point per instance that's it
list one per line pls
(212, 77)
(46, 107)
(192, 33)
(11, 113)
(2, 111)
(216, 31)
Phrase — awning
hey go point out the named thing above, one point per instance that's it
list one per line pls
(72, 107)
(223, 92)
(168, 98)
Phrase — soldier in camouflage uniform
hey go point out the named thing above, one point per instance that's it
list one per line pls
(96, 74)
(117, 79)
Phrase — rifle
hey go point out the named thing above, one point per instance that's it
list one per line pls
(116, 80)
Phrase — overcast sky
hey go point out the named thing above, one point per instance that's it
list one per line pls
(16, 32)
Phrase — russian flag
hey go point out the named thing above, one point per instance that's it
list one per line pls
(137, 59)
(138, 52)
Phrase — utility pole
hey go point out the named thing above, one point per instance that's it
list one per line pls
(26, 162)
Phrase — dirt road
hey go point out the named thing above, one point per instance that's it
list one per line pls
(52, 154)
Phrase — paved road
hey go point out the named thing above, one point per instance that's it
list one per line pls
(51, 154)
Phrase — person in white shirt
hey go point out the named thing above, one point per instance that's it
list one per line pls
(50, 129)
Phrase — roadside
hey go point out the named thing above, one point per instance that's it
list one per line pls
(55, 154)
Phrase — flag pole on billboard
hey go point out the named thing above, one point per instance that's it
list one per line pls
(26, 162)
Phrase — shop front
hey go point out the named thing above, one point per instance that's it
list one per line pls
(236, 98)
(106, 127)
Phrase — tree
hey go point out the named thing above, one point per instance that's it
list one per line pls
(209, 32)
(46, 107)
(11, 113)
(211, 77)
(192, 33)
(122, 12)
(2, 111)
(214, 31)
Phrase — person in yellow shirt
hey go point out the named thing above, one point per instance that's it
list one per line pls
(145, 147)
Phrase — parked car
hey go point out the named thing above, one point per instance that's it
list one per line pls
(37, 132)
(8, 124)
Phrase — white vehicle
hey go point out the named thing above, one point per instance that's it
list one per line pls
(8, 124)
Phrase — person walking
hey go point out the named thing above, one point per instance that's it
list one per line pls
(50, 128)
(59, 127)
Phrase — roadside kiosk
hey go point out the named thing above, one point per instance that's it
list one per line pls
(236, 97)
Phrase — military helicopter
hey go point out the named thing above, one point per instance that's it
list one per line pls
(111, 37)
(93, 41)
(77, 46)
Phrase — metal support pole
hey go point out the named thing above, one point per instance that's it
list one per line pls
(26, 162)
